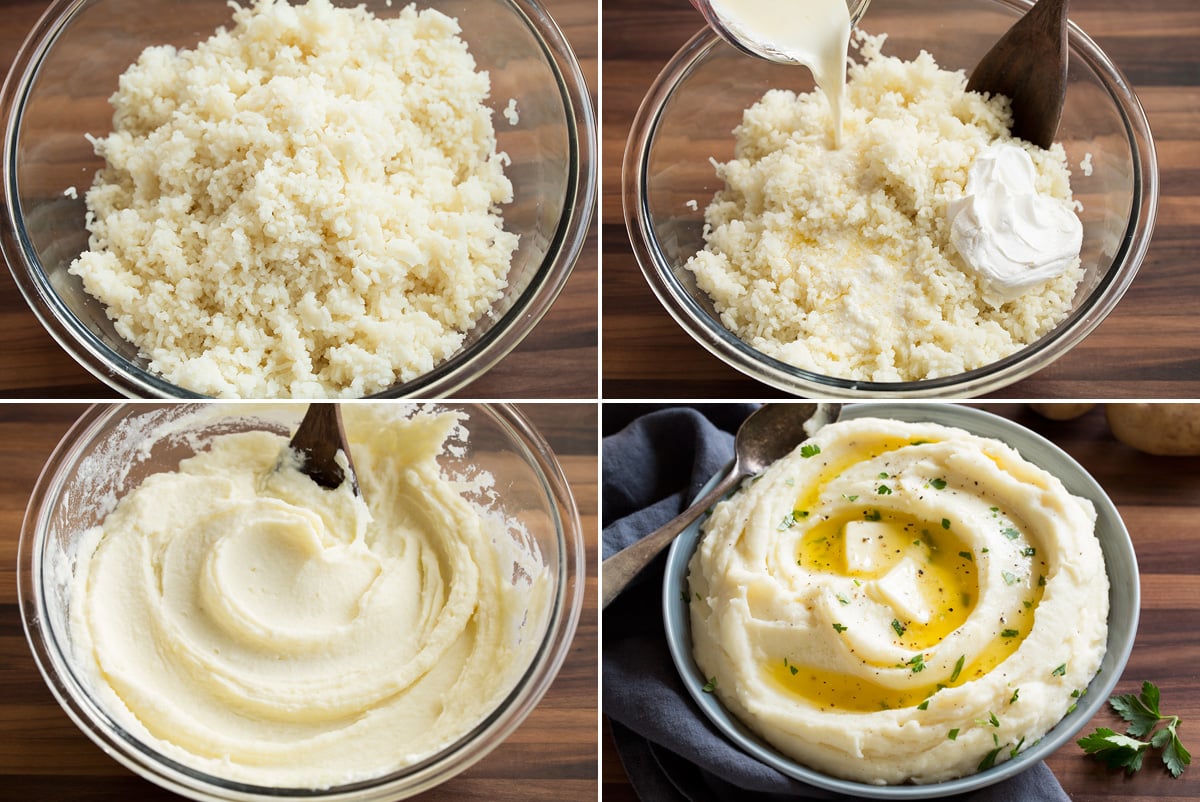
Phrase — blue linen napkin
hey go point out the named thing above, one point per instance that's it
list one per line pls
(655, 460)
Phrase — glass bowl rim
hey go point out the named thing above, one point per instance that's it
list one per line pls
(504, 334)
(730, 349)
(54, 662)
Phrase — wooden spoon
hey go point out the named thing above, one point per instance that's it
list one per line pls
(1029, 66)
(317, 442)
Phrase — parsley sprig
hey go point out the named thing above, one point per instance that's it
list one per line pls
(1127, 751)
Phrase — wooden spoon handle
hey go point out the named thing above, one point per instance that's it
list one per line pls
(317, 440)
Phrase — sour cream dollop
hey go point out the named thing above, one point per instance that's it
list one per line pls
(1008, 234)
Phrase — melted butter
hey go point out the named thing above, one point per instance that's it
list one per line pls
(861, 451)
(946, 581)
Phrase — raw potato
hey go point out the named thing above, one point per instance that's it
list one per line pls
(1061, 411)
(1163, 429)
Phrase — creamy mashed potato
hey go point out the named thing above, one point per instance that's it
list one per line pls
(900, 602)
(839, 261)
(245, 622)
(304, 205)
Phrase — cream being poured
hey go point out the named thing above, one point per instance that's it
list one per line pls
(815, 33)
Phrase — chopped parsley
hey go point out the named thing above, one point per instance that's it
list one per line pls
(788, 522)
(917, 663)
(1016, 692)
(958, 667)
(896, 625)
(1028, 551)
(1009, 578)
(710, 686)
(1010, 533)
(839, 628)
(842, 599)
(966, 555)
(1009, 633)
(873, 515)
(945, 523)
(924, 705)
(850, 498)
(809, 450)
(883, 490)
(1061, 671)
(953, 734)
(938, 484)
(989, 759)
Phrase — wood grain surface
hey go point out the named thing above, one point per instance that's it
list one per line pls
(552, 756)
(559, 358)
(1147, 346)
(1159, 500)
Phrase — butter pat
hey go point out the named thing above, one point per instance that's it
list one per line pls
(1008, 234)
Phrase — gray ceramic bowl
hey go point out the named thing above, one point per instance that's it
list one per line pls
(1124, 602)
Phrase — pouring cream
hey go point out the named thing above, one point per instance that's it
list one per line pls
(815, 33)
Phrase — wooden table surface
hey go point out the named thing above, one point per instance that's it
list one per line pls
(559, 358)
(1159, 500)
(551, 756)
(1146, 347)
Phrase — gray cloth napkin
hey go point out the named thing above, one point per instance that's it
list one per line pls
(654, 462)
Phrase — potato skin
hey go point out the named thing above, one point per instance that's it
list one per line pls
(1162, 429)
(1061, 411)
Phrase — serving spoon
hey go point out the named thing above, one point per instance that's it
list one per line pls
(1028, 65)
(317, 441)
(770, 433)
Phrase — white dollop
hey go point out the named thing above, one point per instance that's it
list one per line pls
(1007, 233)
(815, 33)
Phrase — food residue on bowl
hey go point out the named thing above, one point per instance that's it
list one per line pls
(843, 261)
(305, 205)
(900, 602)
(242, 621)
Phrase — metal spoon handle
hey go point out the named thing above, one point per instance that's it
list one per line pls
(620, 569)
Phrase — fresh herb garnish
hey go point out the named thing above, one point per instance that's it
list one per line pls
(896, 625)
(945, 523)
(1028, 551)
(1009, 579)
(953, 734)
(809, 450)
(937, 484)
(842, 599)
(710, 686)
(989, 759)
(1127, 751)
(917, 663)
(1009, 633)
(788, 522)
(883, 490)
(924, 705)
(1061, 671)
(850, 498)
(958, 667)
(873, 515)
(1012, 699)
(839, 628)
(966, 555)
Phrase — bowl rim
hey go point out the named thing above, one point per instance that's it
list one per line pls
(504, 334)
(54, 663)
(677, 622)
(716, 339)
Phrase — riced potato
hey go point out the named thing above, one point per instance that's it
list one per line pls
(839, 261)
(306, 204)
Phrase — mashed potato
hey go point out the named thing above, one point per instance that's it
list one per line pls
(840, 261)
(304, 205)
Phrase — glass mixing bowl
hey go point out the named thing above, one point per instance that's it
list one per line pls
(68, 67)
(698, 99)
(111, 449)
